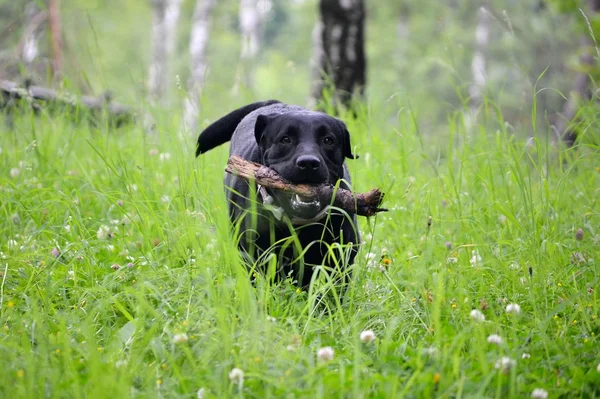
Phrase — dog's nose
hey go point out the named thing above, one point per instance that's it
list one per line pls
(308, 162)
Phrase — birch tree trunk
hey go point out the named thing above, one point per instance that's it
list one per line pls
(29, 46)
(478, 64)
(581, 87)
(339, 57)
(165, 15)
(250, 21)
(198, 44)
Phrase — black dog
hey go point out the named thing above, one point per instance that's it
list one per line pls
(303, 147)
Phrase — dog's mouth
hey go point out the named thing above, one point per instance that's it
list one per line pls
(297, 207)
(305, 206)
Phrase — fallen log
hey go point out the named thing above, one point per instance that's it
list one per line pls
(364, 204)
(11, 90)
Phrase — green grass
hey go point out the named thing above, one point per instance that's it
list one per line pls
(477, 220)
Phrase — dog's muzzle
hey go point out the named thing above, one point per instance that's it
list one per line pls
(302, 211)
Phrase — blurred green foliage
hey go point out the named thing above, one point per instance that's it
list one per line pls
(419, 53)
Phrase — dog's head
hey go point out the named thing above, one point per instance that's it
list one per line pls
(303, 147)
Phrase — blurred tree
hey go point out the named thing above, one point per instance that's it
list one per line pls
(250, 22)
(56, 47)
(29, 46)
(478, 70)
(339, 56)
(165, 14)
(198, 45)
(581, 89)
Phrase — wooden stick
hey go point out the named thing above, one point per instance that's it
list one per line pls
(364, 204)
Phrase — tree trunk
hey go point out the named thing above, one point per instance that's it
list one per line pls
(581, 87)
(198, 44)
(55, 37)
(478, 64)
(339, 57)
(165, 14)
(250, 21)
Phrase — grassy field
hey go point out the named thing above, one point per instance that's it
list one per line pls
(119, 277)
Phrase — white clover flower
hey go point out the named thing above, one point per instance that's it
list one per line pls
(539, 393)
(452, 260)
(494, 339)
(180, 338)
(475, 258)
(165, 156)
(236, 376)
(477, 315)
(505, 363)
(367, 336)
(15, 172)
(325, 354)
(103, 233)
(200, 393)
(513, 308)
(526, 356)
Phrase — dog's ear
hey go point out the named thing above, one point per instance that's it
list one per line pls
(346, 142)
(261, 124)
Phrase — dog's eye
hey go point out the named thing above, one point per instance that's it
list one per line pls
(285, 140)
(328, 141)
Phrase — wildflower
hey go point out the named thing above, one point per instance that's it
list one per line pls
(103, 233)
(236, 376)
(525, 356)
(325, 354)
(475, 258)
(367, 336)
(55, 252)
(505, 363)
(115, 266)
(181, 338)
(452, 260)
(165, 156)
(12, 243)
(436, 378)
(272, 319)
(120, 203)
(130, 265)
(579, 234)
(598, 367)
(68, 228)
(153, 152)
(494, 339)
(502, 220)
(477, 315)
(15, 172)
(448, 245)
(513, 308)
(539, 393)
(200, 393)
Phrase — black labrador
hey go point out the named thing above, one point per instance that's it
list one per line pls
(304, 147)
